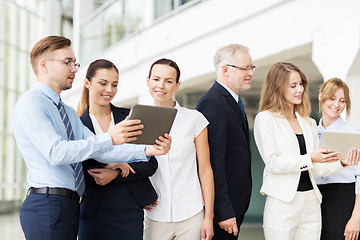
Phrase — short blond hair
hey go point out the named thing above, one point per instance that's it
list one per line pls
(328, 90)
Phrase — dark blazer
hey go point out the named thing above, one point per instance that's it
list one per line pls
(230, 154)
(139, 184)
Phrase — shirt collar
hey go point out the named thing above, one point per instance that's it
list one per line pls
(177, 105)
(48, 92)
(232, 93)
(335, 125)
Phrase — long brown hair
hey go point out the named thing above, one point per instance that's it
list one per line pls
(328, 90)
(91, 72)
(272, 95)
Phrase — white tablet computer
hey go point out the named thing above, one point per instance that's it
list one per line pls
(156, 120)
(340, 141)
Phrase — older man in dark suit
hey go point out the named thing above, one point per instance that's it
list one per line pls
(229, 139)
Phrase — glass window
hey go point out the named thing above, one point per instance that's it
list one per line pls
(22, 24)
(162, 7)
(113, 22)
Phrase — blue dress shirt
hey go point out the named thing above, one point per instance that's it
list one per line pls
(351, 173)
(42, 140)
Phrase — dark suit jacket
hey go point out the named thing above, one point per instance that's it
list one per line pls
(230, 154)
(139, 184)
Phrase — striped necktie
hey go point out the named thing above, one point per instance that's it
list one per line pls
(241, 105)
(79, 183)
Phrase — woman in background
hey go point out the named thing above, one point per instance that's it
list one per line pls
(288, 143)
(340, 207)
(183, 189)
(113, 202)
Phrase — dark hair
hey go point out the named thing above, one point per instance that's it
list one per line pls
(90, 73)
(45, 45)
(171, 63)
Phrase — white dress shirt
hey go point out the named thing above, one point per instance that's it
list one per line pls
(97, 128)
(176, 180)
(351, 173)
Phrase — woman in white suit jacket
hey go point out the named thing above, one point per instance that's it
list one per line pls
(288, 144)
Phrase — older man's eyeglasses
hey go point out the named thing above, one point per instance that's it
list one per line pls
(252, 68)
(71, 64)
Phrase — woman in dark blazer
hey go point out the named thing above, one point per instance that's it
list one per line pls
(113, 202)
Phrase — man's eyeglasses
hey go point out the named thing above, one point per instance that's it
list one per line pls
(71, 64)
(252, 68)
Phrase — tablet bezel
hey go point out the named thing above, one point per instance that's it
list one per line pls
(341, 142)
(156, 120)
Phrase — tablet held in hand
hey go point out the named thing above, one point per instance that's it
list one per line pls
(156, 120)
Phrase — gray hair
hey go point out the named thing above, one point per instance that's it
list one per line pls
(226, 54)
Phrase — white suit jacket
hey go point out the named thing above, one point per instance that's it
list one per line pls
(279, 149)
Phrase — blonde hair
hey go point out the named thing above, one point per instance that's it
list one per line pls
(328, 90)
(272, 95)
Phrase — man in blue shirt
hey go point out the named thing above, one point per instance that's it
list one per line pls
(52, 141)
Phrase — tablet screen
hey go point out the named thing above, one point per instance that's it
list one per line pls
(156, 120)
(340, 141)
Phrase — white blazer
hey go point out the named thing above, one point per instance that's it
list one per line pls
(280, 151)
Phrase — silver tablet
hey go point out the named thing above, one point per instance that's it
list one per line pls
(156, 120)
(340, 141)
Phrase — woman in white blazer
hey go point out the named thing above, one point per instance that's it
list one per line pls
(288, 144)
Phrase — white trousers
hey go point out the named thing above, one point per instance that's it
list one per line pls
(189, 229)
(298, 220)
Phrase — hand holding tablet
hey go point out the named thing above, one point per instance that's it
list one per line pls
(346, 143)
(156, 121)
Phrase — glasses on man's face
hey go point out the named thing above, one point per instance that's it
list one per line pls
(71, 64)
(252, 68)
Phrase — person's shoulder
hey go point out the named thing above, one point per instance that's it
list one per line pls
(119, 110)
(349, 127)
(268, 117)
(195, 113)
(312, 121)
(265, 114)
(210, 99)
(188, 111)
(31, 97)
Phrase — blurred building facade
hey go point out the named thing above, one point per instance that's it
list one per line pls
(22, 24)
(320, 36)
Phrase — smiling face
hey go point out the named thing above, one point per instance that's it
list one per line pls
(103, 86)
(293, 92)
(162, 84)
(333, 106)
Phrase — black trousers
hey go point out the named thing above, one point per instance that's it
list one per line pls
(118, 217)
(336, 209)
(49, 217)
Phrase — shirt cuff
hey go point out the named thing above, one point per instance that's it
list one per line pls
(105, 142)
(139, 150)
